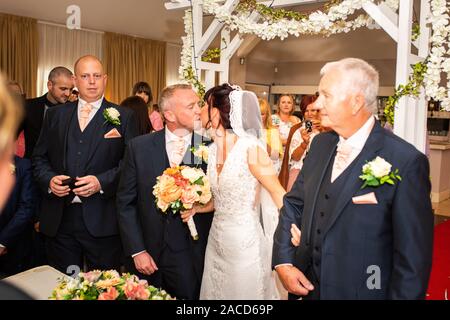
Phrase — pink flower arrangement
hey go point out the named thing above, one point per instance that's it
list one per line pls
(106, 285)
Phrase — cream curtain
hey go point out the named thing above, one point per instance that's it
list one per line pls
(59, 46)
(173, 54)
(19, 51)
(128, 60)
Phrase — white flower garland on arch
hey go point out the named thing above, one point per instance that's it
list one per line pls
(439, 58)
(332, 22)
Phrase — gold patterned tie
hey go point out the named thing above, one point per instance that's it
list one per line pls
(84, 115)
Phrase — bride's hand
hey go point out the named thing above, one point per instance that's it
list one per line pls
(185, 215)
(296, 235)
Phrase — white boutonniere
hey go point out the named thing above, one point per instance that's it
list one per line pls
(12, 168)
(201, 152)
(112, 116)
(378, 172)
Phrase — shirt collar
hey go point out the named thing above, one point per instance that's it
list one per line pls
(170, 137)
(359, 138)
(96, 104)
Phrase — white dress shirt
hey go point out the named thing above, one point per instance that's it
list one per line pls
(95, 107)
(356, 142)
(172, 139)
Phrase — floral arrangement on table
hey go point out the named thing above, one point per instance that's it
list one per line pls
(180, 188)
(106, 285)
(335, 17)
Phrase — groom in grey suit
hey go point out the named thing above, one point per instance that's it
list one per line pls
(371, 242)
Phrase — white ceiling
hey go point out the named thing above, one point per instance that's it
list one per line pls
(149, 19)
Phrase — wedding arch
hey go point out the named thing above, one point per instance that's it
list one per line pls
(263, 19)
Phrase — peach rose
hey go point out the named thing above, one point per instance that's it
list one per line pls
(105, 284)
(189, 196)
(136, 291)
(168, 190)
(110, 294)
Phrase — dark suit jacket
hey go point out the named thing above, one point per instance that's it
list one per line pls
(104, 161)
(16, 217)
(32, 124)
(142, 225)
(395, 235)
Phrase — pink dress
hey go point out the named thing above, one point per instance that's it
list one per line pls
(20, 145)
(156, 120)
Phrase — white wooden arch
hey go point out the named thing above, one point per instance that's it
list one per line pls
(410, 113)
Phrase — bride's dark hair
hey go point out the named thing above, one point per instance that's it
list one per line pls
(219, 97)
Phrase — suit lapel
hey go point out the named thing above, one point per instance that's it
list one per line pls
(189, 158)
(98, 131)
(70, 112)
(321, 169)
(161, 163)
(353, 183)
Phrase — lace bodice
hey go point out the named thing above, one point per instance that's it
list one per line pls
(235, 189)
(237, 259)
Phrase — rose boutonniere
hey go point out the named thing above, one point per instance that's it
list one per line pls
(201, 152)
(378, 172)
(112, 116)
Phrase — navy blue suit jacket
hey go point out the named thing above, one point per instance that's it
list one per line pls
(104, 161)
(16, 217)
(142, 225)
(395, 235)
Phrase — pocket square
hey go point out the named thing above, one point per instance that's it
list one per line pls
(113, 133)
(368, 198)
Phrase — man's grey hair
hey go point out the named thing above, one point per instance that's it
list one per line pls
(358, 76)
(168, 93)
(59, 71)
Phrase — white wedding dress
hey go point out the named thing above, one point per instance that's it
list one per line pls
(238, 253)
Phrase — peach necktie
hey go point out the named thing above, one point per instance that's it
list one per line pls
(84, 115)
(177, 152)
(341, 160)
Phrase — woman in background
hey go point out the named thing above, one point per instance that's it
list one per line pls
(143, 90)
(271, 135)
(299, 141)
(284, 118)
(138, 105)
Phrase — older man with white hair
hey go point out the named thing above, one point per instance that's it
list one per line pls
(362, 202)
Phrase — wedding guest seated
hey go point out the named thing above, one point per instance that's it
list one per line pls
(137, 104)
(16, 220)
(271, 135)
(143, 90)
(284, 118)
(299, 141)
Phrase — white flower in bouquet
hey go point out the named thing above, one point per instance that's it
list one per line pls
(192, 174)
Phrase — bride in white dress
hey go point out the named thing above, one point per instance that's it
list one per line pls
(246, 196)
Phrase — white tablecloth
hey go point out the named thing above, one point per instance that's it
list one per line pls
(37, 282)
